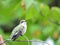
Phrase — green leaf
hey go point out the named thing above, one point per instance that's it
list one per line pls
(44, 9)
(33, 28)
(37, 6)
(32, 13)
(28, 3)
(55, 14)
(47, 31)
(6, 10)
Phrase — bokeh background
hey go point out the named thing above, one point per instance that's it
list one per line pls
(43, 20)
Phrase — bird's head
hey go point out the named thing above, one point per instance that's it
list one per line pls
(23, 22)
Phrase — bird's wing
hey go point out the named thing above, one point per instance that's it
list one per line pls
(16, 29)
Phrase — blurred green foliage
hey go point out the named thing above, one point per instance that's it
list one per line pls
(42, 21)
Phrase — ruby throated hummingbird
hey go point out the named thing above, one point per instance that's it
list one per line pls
(19, 30)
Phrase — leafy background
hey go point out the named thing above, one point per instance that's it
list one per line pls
(42, 21)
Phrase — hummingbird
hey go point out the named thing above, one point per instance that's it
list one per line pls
(19, 30)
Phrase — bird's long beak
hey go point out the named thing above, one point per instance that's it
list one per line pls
(27, 20)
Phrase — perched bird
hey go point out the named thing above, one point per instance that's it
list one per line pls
(19, 30)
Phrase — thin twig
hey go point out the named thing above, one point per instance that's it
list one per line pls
(25, 41)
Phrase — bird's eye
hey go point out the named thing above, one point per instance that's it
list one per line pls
(22, 21)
